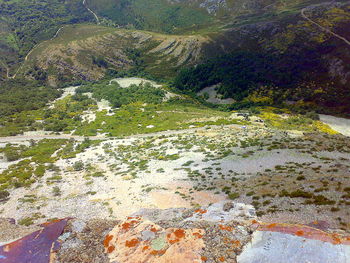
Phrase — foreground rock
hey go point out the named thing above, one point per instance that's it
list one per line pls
(222, 232)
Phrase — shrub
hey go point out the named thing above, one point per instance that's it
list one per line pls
(4, 194)
(78, 166)
(12, 155)
(233, 196)
(312, 115)
(56, 191)
(300, 193)
(26, 221)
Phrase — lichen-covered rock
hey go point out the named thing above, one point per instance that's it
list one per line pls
(293, 244)
(142, 241)
(222, 232)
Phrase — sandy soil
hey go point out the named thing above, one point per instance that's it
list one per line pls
(214, 97)
(126, 82)
(340, 125)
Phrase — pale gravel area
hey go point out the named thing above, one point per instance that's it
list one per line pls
(214, 97)
(126, 82)
(340, 125)
(69, 91)
(122, 190)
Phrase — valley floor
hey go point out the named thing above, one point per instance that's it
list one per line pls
(287, 176)
(291, 169)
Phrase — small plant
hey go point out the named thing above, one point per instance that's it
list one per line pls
(266, 202)
(56, 191)
(4, 195)
(335, 209)
(233, 196)
(251, 193)
(26, 221)
(78, 166)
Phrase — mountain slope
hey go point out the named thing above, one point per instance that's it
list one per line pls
(87, 52)
(23, 24)
(301, 48)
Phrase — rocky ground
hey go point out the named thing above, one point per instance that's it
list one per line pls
(292, 182)
(222, 232)
(286, 176)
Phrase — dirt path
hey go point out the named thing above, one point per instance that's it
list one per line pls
(323, 28)
(56, 34)
(22, 138)
(7, 69)
(92, 12)
(30, 52)
(340, 125)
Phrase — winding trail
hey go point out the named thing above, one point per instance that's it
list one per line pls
(23, 138)
(30, 52)
(8, 76)
(7, 69)
(92, 12)
(322, 27)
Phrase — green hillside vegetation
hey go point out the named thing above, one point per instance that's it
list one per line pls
(31, 21)
(294, 65)
(153, 15)
(23, 95)
(119, 96)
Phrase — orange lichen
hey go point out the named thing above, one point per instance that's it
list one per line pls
(272, 225)
(145, 248)
(132, 243)
(254, 222)
(128, 225)
(157, 252)
(299, 233)
(134, 217)
(153, 229)
(201, 211)
(179, 233)
(222, 259)
(236, 243)
(203, 258)
(336, 239)
(174, 241)
(197, 235)
(227, 228)
(111, 249)
(107, 240)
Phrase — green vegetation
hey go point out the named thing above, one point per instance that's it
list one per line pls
(4, 194)
(119, 96)
(155, 15)
(24, 95)
(292, 121)
(264, 78)
(32, 21)
(35, 160)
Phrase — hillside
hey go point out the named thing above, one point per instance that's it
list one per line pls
(26, 23)
(174, 131)
(88, 52)
(288, 56)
